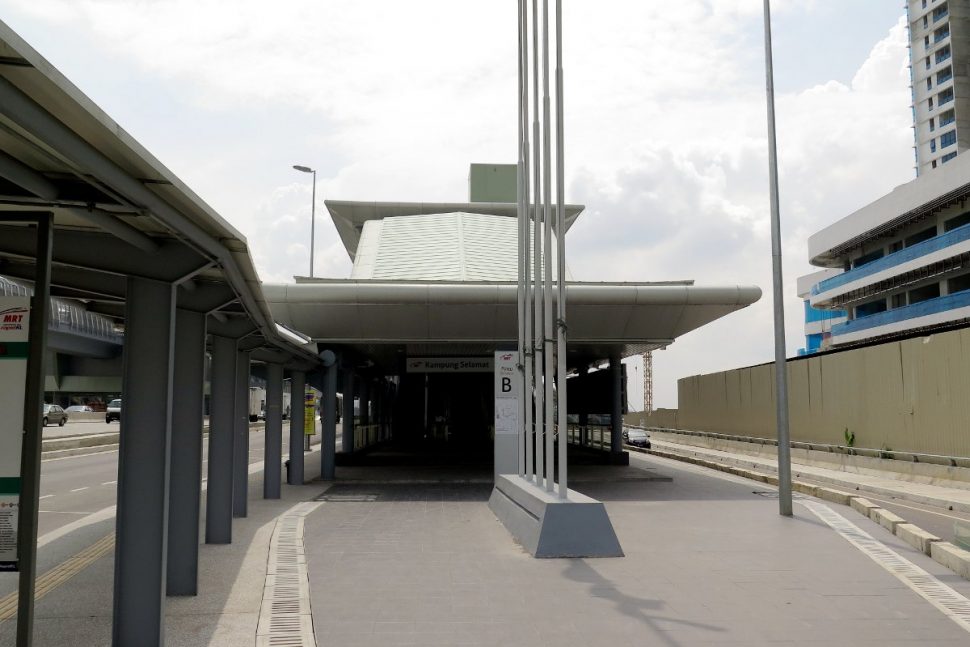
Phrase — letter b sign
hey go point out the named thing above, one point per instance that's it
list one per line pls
(506, 385)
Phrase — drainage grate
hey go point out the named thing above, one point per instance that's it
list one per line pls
(285, 619)
(952, 604)
(347, 498)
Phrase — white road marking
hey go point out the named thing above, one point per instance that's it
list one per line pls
(110, 483)
(80, 489)
(46, 496)
(61, 512)
(66, 458)
(953, 605)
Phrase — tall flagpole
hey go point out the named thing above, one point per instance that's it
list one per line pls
(781, 372)
(561, 408)
(537, 351)
(547, 340)
(520, 291)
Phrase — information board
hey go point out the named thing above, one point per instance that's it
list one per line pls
(14, 331)
(309, 411)
(506, 392)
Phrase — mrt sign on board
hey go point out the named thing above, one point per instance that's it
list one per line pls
(14, 315)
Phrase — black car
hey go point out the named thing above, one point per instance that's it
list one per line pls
(637, 438)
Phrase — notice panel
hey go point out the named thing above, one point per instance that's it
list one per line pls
(14, 331)
(449, 365)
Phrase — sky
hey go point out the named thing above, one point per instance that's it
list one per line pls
(665, 126)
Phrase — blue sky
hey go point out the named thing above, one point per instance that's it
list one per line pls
(389, 101)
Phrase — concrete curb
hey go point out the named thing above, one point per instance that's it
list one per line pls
(943, 552)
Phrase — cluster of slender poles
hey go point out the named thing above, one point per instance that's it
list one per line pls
(541, 292)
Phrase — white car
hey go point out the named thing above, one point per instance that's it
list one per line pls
(79, 408)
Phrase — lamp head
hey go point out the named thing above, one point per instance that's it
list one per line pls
(304, 169)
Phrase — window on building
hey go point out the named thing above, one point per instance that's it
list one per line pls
(929, 103)
(947, 117)
(928, 62)
(920, 236)
(946, 158)
(924, 4)
(940, 12)
(943, 54)
(867, 258)
(958, 283)
(898, 300)
(929, 83)
(924, 293)
(948, 139)
(926, 41)
(957, 221)
(933, 163)
(941, 33)
(895, 247)
(871, 308)
(945, 96)
(926, 22)
(944, 75)
(933, 145)
(932, 124)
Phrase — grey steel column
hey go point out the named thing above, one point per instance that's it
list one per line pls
(218, 498)
(348, 412)
(297, 387)
(141, 528)
(274, 431)
(185, 490)
(328, 447)
(240, 428)
(616, 417)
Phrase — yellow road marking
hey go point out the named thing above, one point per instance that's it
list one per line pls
(59, 574)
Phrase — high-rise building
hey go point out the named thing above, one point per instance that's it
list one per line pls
(939, 53)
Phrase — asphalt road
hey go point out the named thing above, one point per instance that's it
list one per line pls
(72, 487)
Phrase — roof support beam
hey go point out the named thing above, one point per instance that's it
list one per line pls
(25, 177)
(95, 251)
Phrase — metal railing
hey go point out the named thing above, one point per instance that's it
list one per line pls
(600, 436)
(366, 436)
(904, 313)
(886, 454)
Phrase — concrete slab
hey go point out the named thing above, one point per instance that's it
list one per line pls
(548, 526)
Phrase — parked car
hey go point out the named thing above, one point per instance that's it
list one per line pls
(53, 413)
(79, 408)
(114, 411)
(638, 438)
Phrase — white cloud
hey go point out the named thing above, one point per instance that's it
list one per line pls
(665, 130)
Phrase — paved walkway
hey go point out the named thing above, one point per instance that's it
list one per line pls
(396, 557)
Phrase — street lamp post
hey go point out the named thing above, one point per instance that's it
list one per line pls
(313, 210)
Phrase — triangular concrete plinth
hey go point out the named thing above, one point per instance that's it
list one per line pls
(548, 526)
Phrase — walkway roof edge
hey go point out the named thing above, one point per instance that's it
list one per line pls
(169, 200)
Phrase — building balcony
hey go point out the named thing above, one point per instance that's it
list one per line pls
(925, 314)
(838, 289)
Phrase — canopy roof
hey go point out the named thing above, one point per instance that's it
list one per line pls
(388, 320)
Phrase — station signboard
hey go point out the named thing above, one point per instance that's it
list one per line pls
(450, 365)
(14, 331)
(507, 386)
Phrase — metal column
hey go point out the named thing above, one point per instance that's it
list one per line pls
(616, 417)
(185, 490)
(240, 462)
(274, 431)
(297, 410)
(348, 412)
(141, 535)
(328, 447)
(218, 500)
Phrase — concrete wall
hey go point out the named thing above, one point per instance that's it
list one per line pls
(911, 395)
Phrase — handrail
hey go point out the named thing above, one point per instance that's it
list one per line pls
(904, 313)
(887, 454)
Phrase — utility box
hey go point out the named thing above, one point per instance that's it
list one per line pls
(493, 183)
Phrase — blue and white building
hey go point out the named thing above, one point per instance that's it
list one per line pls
(897, 266)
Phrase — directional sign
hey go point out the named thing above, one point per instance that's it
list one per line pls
(14, 316)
